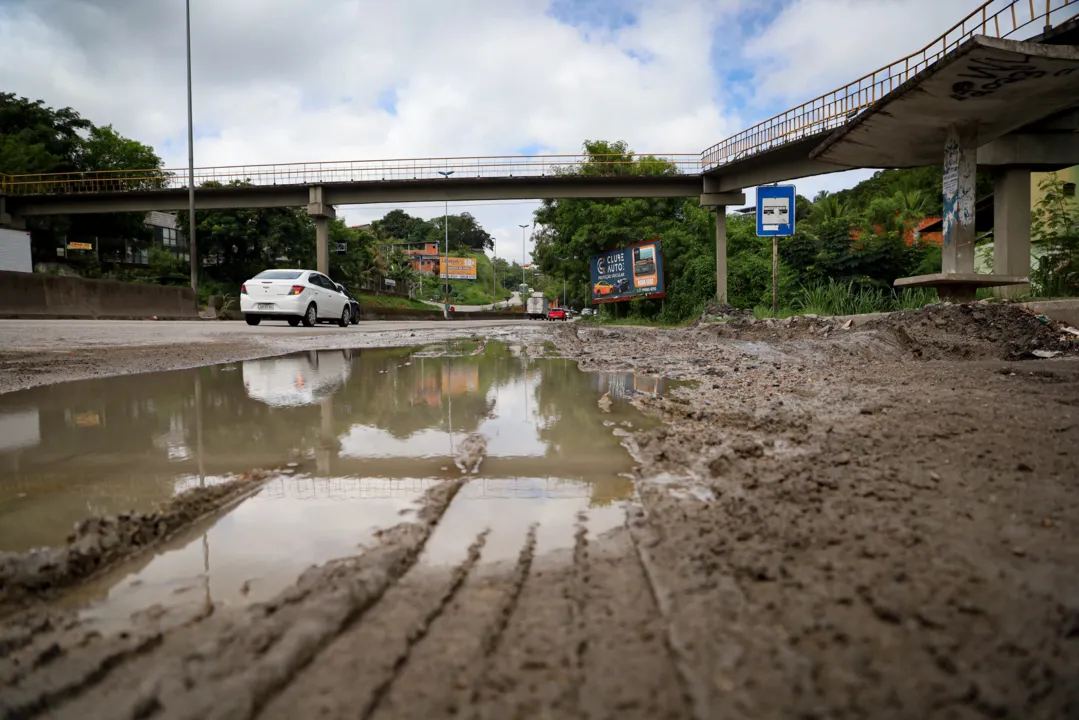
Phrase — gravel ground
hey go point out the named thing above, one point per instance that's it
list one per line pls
(875, 522)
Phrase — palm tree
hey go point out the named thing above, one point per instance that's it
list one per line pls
(827, 206)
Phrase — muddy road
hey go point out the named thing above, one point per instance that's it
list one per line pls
(807, 521)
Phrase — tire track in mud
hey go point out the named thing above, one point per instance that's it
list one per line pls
(231, 665)
(460, 574)
(578, 605)
(492, 638)
(695, 692)
(444, 668)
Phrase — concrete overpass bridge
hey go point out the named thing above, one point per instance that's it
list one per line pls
(998, 91)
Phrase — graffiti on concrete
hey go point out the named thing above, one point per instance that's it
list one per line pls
(951, 185)
(958, 186)
(989, 74)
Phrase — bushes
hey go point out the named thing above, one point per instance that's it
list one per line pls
(837, 298)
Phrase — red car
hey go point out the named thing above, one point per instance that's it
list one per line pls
(556, 314)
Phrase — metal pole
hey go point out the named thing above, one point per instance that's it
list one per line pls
(446, 221)
(192, 247)
(494, 281)
(563, 291)
(524, 254)
(775, 275)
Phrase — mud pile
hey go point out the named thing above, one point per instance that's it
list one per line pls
(976, 330)
(98, 542)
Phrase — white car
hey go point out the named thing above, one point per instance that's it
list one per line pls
(295, 295)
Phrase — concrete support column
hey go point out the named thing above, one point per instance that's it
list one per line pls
(322, 212)
(322, 244)
(721, 254)
(1011, 227)
(717, 202)
(960, 165)
(9, 221)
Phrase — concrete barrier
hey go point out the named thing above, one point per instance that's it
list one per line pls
(33, 295)
(1062, 311)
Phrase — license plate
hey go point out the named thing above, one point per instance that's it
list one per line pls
(265, 306)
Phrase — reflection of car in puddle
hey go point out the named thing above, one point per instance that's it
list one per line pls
(297, 379)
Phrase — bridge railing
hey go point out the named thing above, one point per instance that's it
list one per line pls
(317, 173)
(996, 18)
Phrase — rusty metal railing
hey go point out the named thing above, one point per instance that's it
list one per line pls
(835, 109)
(506, 166)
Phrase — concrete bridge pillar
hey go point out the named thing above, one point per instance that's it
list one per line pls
(960, 166)
(322, 213)
(1011, 227)
(721, 254)
(718, 202)
(9, 221)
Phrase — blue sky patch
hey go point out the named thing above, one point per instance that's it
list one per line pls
(610, 15)
(387, 100)
(532, 148)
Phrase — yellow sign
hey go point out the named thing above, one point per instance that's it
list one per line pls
(460, 268)
(80, 246)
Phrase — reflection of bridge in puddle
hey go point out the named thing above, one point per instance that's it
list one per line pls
(353, 488)
(367, 437)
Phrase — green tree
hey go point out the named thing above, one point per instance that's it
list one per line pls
(465, 233)
(1054, 228)
(35, 138)
(399, 225)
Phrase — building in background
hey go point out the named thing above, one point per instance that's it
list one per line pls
(166, 236)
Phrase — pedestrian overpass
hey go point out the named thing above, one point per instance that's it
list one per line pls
(998, 91)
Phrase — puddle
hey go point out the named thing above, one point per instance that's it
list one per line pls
(363, 433)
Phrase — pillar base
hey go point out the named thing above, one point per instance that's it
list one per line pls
(959, 287)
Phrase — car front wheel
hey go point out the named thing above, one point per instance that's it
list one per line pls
(311, 316)
(346, 316)
(252, 319)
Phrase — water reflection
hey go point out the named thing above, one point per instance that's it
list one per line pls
(364, 433)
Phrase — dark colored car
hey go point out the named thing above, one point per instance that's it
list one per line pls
(556, 314)
(352, 301)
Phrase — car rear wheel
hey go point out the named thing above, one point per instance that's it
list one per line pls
(346, 316)
(252, 319)
(355, 317)
(311, 316)
(294, 321)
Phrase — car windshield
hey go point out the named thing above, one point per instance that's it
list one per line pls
(278, 275)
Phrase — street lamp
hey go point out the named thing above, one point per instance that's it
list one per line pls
(446, 221)
(524, 253)
(192, 248)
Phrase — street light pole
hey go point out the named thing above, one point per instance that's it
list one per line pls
(524, 254)
(192, 247)
(446, 221)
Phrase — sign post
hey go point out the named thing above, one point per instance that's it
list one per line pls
(775, 219)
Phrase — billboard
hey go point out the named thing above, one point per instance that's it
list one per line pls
(460, 269)
(633, 271)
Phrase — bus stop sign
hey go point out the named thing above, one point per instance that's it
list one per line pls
(775, 210)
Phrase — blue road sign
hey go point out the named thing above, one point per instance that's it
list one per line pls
(775, 210)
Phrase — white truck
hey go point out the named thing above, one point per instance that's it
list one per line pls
(536, 307)
(15, 251)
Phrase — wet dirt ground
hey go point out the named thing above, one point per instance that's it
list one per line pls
(876, 522)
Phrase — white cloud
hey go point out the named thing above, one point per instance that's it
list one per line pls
(287, 81)
(815, 46)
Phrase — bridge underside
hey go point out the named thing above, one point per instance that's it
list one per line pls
(789, 161)
(995, 86)
(363, 192)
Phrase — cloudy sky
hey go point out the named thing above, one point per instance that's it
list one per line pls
(296, 80)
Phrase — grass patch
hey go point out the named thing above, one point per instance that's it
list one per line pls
(389, 301)
(639, 321)
(836, 298)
